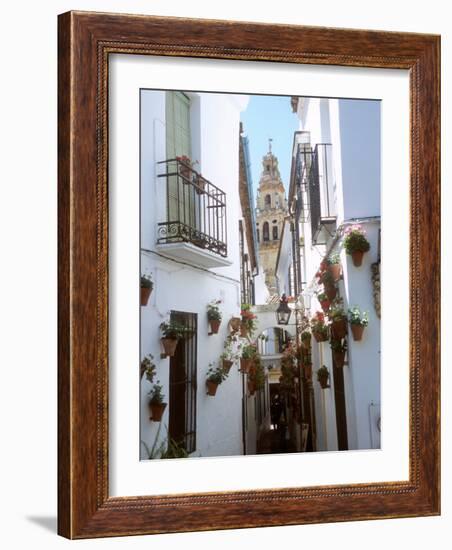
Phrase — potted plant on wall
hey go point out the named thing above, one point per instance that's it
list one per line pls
(234, 324)
(214, 316)
(318, 327)
(334, 266)
(215, 376)
(171, 333)
(148, 368)
(355, 243)
(156, 404)
(324, 301)
(248, 324)
(146, 286)
(358, 321)
(338, 319)
(246, 360)
(338, 347)
(230, 354)
(329, 285)
(323, 377)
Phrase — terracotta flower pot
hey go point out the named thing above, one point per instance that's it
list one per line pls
(357, 331)
(245, 365)
(169, 345)
(185, 172)
(251, 387)
(145, 292)
(200, 185)
(227, 364)
(243, 330)
(157, 410)
(320, 336)
(330, 291)
(325, 305)
(235, 323)
(211, 387)
(214, 326)
(357, 257)
(339, 358)
(335, 270)
(323, 381)
(339, 329)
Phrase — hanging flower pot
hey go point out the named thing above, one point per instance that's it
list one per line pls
(227, 364)
(146, 287)
(169, 345)
(339, 359)
(330, 291)
(157, 410)
(214, 326)
(320, 336)
(357, 331)
(339, 328)
(200, 184)
(335, 271)
(357, 257)
(145, 293)
(251, 387)
(323, 377)
(234, 323)
(245, 365)
(211, 387)
(358, 321)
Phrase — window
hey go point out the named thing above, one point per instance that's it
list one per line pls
(275, 232)
(182, 392)
(268, 201)
(181, 200)
(266, 232)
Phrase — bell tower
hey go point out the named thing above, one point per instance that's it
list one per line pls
(271, 209)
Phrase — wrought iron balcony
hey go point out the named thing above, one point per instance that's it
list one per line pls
(195, 211)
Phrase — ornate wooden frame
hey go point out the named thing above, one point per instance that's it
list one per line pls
(85, 42)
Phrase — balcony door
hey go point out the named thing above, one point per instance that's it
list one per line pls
(180, 194)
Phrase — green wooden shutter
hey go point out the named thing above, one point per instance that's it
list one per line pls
(178, 144)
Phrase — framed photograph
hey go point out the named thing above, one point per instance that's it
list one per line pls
(248, 275)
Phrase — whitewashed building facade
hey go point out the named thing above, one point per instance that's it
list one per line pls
(335, 182)
(192, 249)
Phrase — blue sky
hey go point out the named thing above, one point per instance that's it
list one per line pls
(270, 117)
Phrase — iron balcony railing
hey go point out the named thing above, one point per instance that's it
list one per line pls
(195, 209)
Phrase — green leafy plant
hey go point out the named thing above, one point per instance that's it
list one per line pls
(338, 345)
(258, 375)
(333, 259)
(249, 351)
(156, 395)
(355, 239)
(358, 317)
(172, 330)
(336, 311)
(146, 281)
(306, 336)
(322, 297)
(249, 320)
(148, 368)
(216, 374)
(174, 450)
(328, 279)
(213, 311)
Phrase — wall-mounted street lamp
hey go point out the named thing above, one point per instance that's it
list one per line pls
(283, 312)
